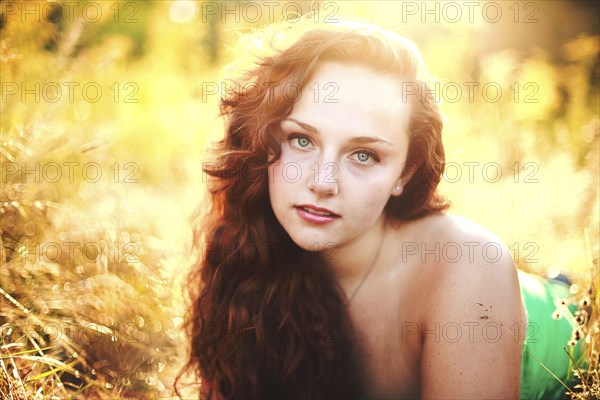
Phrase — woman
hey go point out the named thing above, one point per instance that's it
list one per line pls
(329, 266)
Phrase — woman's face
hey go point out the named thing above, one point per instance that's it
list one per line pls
(343, 149)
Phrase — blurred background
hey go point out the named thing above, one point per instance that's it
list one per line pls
(108, 108)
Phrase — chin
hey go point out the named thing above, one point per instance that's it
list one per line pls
(312, 242)
(303, 243)
(306, 246)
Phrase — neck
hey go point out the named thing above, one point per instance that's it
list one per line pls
(352, 262)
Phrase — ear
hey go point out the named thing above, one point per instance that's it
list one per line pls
(407, 173)
(398, 188)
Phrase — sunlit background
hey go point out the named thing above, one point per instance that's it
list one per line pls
(106, 113)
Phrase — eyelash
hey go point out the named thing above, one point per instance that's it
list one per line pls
(365, 151)
(298, 136)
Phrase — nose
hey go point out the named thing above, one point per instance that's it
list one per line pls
(323, 179)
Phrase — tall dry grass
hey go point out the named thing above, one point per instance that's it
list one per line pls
(90, 305)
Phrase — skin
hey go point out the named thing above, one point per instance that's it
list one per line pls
(432, 322)
(333, 175)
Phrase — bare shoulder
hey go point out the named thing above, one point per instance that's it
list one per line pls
(453, 241)
(473, 304)
(448, 227)
(459, 258)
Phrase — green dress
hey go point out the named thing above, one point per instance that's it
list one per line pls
(545, 338)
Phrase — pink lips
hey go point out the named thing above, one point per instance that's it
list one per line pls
(314, 217)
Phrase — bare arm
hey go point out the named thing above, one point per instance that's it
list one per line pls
(474, 312)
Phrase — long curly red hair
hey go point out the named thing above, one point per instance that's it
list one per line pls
(267, 319)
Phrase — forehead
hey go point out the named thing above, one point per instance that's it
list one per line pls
(356, 98)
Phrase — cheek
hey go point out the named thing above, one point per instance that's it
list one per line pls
(287, 171)
(278, 185)
(368, 200)
(273, 184)
(276, 175)
(375, 202)
(372, 184)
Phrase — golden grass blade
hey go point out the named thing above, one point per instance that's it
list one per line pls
(7, 379)
(18, 377)
(39, 350)
(45, 360)
(578, 369)
(550, 372)
(50, 372)
(21, 352)
(14, 301)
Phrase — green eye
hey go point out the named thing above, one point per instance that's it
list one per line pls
(366, 157)
(303, 142)
(363, 157)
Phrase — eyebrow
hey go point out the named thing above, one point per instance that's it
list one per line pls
(356, 139)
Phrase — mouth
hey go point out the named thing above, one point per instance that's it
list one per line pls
(317, 210)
